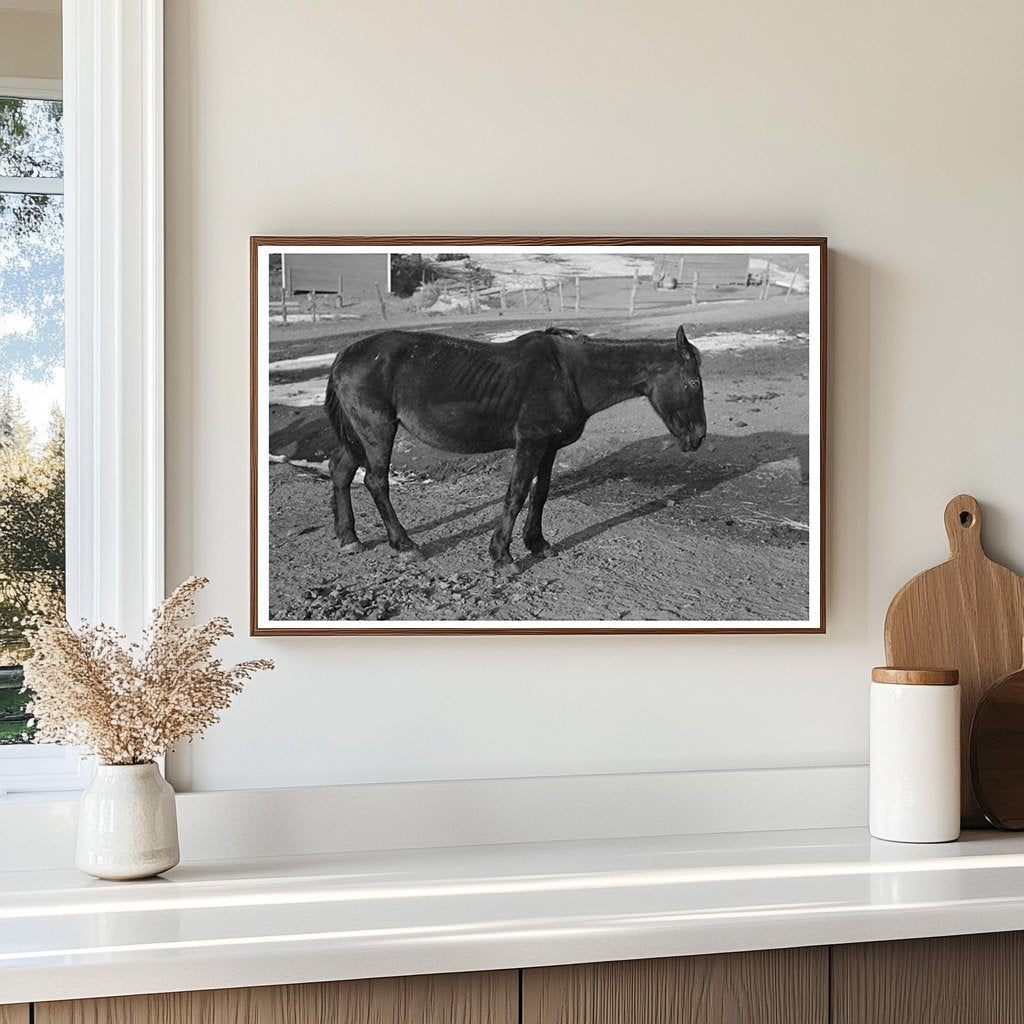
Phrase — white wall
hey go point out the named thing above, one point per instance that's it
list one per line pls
(895, 129)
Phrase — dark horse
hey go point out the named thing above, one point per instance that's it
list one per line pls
(534, 394)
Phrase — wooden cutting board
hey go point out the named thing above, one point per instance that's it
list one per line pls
(967, 614)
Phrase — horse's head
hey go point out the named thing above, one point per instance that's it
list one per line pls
(677, 394)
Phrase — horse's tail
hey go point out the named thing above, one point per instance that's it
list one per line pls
(332, 406)
(336, 414)
(339, 423)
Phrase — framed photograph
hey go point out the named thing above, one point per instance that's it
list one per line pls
(537, 435)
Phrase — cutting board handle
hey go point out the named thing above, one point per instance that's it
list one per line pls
(963, 526)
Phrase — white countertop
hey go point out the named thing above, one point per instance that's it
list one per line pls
(351, 915)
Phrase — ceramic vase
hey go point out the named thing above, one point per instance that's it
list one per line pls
(127, 825)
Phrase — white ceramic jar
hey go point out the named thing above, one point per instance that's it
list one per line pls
(127, 823)
(915, 755)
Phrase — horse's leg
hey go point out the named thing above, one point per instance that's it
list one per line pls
(533, 534)
(378, 463)
(524, 469)
(343, 469)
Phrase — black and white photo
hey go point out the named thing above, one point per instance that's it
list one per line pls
(537, 435)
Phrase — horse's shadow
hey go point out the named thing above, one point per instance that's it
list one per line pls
(652, 464)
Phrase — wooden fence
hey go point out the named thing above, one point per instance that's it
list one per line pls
(566, 294)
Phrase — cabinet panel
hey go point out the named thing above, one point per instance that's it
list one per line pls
(962, 979)
(779, 986)
(14, 1014)
(482, 998)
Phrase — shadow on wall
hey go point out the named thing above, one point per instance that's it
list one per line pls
(854, 286)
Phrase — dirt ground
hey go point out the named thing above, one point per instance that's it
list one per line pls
(641, 531)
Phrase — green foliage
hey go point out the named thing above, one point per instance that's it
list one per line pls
(31, 524)
(31, 138)
(31, 145)
(31, 548)
(14, 720)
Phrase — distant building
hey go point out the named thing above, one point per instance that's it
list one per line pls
(356, 276)
(715, 270)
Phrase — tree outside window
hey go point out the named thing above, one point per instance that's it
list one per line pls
(32, 541)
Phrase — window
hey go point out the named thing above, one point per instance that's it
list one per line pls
(32, 531)
(112, 212)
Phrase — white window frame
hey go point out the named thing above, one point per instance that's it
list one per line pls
(114, 346)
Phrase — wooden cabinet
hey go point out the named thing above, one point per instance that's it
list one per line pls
(962, 979)
(491, 998)
(970, 979)
(778, 986)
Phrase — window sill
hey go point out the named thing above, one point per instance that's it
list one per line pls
(43, 771)
(41, 797)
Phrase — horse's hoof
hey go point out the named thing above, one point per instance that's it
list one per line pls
(507, 568)
(352, 549)
(412, 555)
(545, 552)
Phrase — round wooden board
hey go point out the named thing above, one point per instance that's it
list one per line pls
(997, 752)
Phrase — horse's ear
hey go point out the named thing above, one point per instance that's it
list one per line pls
(686, 351)
(681, 343)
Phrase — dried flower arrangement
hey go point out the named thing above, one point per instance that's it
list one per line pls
(130, 703)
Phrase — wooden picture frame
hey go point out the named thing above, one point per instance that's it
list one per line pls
(754, 356)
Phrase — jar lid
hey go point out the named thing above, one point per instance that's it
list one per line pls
(916, 676)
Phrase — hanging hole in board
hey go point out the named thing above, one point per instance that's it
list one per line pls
(966, 519)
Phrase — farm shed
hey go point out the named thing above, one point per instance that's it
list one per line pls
(357, 276)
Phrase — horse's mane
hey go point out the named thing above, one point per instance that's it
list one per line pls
(475, 347)
(567, 332)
